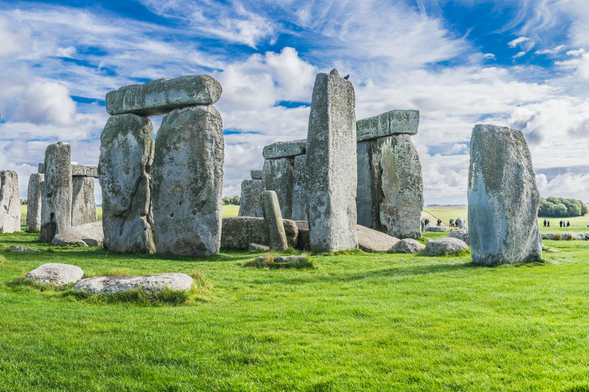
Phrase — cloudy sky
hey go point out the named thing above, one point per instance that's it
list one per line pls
(518, 63)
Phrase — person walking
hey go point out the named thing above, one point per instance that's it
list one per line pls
(560, 223)
(568, 223)
(544, 222)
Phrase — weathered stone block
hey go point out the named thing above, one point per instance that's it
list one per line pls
(299, 188)
(34, 201)
(163, 95)
(444, 245)
(369, 194)
(126, 155)
(285, 149)
(85, 171)
(41, 168)
(250, 198)
(374, 241)
(149, 283)
(9, 202)
(83, 201)
(387, 124)
(89, 234)
(278, 177)
(56, 210)
(503, 199)
(240, 232)
(332, 165)
(188, 182)
(273, 218)
(257, 174)
(55, 273)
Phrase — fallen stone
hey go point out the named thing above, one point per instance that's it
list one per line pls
(22, 249)
(249, 204)
(89, 234)
(444, 245)
(278, 177)
(387, 124)
(285, 149)
(149, 283)
(461, 234)
(84, 171)
(164, 95)
(9, 202)
(273, 219)
(257, 174)
(332, 165)
(126, 155)
(54, 273)
(83, 202)
(34, 201)
(460, 222)
(374, 241)
(288, 259)
(408, 245)
(56, 209)
(503, 199)
(299, 189)
(258, 248)
(240, 232)
(437, 229)
(188, 182)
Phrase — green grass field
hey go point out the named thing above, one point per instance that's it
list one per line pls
(360, 322)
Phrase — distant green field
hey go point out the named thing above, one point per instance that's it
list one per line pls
(229, 211)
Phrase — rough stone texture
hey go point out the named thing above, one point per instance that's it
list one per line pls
(285, 149)
(402, 187)
(503, 199)
(374, 241)
(257, 174)
(85, 171)
(56, 210)
(89, 234)
(408, 245)
(288, 259)
(387, 124)
(239, 232)
(250, 198)
(369, 194)
(163, 95)
(437, 228)
(461, 234)
(188, 181)
(83, 202)
(278, 177)
(149, 283)
(299, 188)
(41, 168)
(273, 219)
(460, 222)
(54, 273)
(332, 165)
(564, 236)
(258, 248)
(126, 155)
(303, 241)
(445, 244)
(9, 202)
(35, 201)
(292, 232)
(22, 249)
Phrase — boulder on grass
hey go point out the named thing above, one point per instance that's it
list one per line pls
(90, 234)
(437, 229)
(444, 245)
(54, 273)
(22, 249)
(374, 241)
(461, 234)
(119, 284)
(239, 232)
(408, 245)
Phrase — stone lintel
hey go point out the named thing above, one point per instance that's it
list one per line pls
(285, 149)
(387, 124)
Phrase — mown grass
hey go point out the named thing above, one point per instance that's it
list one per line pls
(359, 322)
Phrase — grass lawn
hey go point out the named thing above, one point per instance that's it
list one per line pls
(360, 322)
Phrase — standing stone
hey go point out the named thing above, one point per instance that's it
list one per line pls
(369, 194)
(402, 187)
(257, 174)
(9, 202)
(278, 177)
(460, 222)
(332, 165)
(56, 211)
(273, 219)
(34, 201)
(83, 202)
(126, 155)
(250, 198)
(188, 181)
(503, 199)
(299, 189)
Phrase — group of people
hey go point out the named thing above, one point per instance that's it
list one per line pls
(453, 222)
(426, 222)
(562, 223)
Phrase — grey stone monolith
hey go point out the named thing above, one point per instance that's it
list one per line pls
(503, 199)
(401, 185)
(9, 202)
(56, 210)
(273, 219)
(257, 174)
(284, 149)
(249, 204)
(34, 201)
(188, 182)
(332, 165)
(369, 194)
(83, 201)
(126, 155)
(299, 188)
(164, 95)
(278, 177)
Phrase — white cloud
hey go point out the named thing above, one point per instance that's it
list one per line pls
(517, 41)
(15, 37)
(489, 56)
(520, 54)
(559, 48)
(577, 52)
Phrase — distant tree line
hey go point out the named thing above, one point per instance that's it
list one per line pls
(235, 200)
(560, 208)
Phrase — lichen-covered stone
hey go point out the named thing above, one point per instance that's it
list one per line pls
(332, 165)
(83, 202)
(85, 171)
(188, 182)
(369, 194)
(285, 149)
(56, 210)
(41, 168)
(387, 124)
(374, 241)
(249, 204)
(303, 241)
(258, 248)
(164, 95)
(408, 245)
(299, 188)
(503, 199)
(437, 229)
(273, 218)
(278, 177)
(55, 273)
(89, 234)
(34, 201)
(149, 283)
(444, 245)
(461, 234)
(460, 222)
(126, 155)
(9, 202)
(401, 186)
(240, 232)
(257, 174)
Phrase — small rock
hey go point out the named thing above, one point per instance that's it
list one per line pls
(90, 234)
(118, 284)
(288, 259)
(444, 244)
(21, 249)
(258, 248)
(59, 274)
(408, 245)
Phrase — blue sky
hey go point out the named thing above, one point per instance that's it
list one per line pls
(523, 64)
